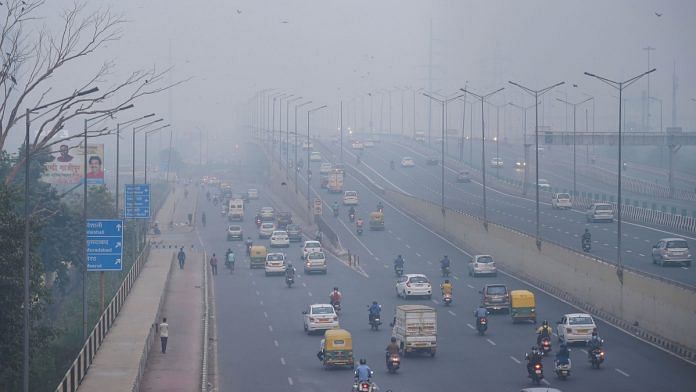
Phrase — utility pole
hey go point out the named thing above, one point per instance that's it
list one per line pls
(648, 49)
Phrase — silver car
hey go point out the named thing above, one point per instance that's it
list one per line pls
(600, 212)
(671, 250)
(482, 265)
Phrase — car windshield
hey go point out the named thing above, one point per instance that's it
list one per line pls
(603, 207)
(580, 320)
(496, 290)
(267, 226)
(563, 196)
(275, 257)
(351, 193)
(235, 228)
(312, 244)
(677, 244)
(323, 310)
(316, 256)
(485, 260)
(418, 279)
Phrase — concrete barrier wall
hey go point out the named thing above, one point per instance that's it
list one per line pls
(660, 308)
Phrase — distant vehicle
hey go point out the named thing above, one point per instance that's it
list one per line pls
(307, 146)
(294, 232)
(495, 297)
(575, 327)
(279, 238)
(253, 194)
(325, 168)
(561, 201)
(543, 185)
(266, 229)
(463, 176)
(482, 265)
(324, 181)
(415, 329)
(432, 161)
(497, 162)
(519, 165)
(267, 213)
(600, 212)
(235, 232)
(419, 136)
(410, 285)
(357, 145)
(310, 247)
(319, 317)
(235, 210)
(275, 264)
(350, 198)
(407, 162)
(368, 143)
(315, 156)
(671, 251)
(335, 181)
(284, 218)
(340, 167)
(316, 262)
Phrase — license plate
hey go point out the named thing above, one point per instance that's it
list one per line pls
(538, 371)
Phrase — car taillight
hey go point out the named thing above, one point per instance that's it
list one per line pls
(335, 318)
(312, 319)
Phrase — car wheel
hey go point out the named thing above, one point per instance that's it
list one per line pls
(397, 293)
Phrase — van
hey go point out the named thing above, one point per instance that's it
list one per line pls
(235, 211)
(496, 297)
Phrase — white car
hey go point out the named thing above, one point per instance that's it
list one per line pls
(496, 162)
(350, 198)
(316, 262)
(320, 317)
(543, 185)
(369, 143)
(410, 285)
(357, 145)
(253, 194)
(315, 156)
(575, 327)
(267, 213)
(407, 162)
(561, 201)
(310, 247)
(600, 212)
(279, 238)
(275, 264)
(482, 265)
(325, 168)
(266, 229)
(307, 146)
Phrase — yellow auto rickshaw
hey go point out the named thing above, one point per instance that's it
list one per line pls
(337, 349)
(257, 256)
(376, 221)
(522, 306)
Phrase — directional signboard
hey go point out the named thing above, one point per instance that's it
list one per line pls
(137, 201)
(104, 244)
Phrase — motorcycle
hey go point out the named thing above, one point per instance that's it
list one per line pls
(351, 217)
(258, 222)
(586, 245)
(445, 271)
(562, 369)
(545, 346)
(399, 269)
(363, 386)
(359, 229)
(375, 322)
(289, 280)
(596, 357)
(482, 325)
(447, 299)
(248, 249)
(337, 307)
(393, 363)
(537, 373)
(335, 212)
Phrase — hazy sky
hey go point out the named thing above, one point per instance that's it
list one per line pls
(331, 49)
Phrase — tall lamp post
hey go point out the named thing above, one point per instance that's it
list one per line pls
(483, 148)
(287, 136)
(309, 172)
(27, 228)
(275, 98)
(620, 86)
(575, 109)
(296, 168)
(135, 130)
(461, 137)
(497, 134)
(118, 152)
(147, 133)
(444, 103)
(280, 127)
(415, 91)
(536, 94)
(525, 144)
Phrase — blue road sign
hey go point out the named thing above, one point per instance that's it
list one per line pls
(104, 245)
(137, 199)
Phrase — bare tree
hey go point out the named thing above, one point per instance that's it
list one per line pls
(30, 58)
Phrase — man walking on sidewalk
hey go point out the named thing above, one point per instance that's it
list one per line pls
(164, 334)
(213, 264)
(182, 258)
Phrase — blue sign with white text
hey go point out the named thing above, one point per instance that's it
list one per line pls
(137, 199)
(104, 245)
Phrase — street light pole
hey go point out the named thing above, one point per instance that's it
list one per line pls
(620, 86)
(575, 107)
(118, 153)
(135, 130)
(483, 148)
(525, 144)
(309, 173)
(296, 167)
(280, 127)
(147, 133)
(287, 136)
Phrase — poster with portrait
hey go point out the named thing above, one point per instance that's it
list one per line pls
(95, 164)
(66, 165)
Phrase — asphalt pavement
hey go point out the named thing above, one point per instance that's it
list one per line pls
(262, 345)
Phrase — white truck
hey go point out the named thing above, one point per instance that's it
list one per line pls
(335, 181)
(415, 329)
(235, 211)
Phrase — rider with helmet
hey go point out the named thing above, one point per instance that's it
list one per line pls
(375, 310)
(544, 331)
(335, 297)
(392, 348)
(399, 263)
(363, 373)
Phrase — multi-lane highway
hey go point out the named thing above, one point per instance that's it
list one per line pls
(512, 210)
(262, 346)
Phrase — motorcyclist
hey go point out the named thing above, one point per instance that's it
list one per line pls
(392, 348)
(375, 310)
(444, 263)
(335, 297)
(544, 332)
(533, 358)
(351, 211)
(594, 343)
(249, 243)
(359, 223)
(446, 288)
(207, 195)
(481, 311)
(334, 207)
(399, 263)
(380, 207)
(363, 373)
(203, 218)
(290, 271)
(563, 355)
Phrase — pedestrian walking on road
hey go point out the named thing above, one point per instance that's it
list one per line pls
(164, 334)
(213, 264)
(182, 258)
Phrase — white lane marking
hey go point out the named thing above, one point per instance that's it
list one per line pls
(265, 315)
(622, 372)
(270, 328)
(376, 258)
(304, 284)
(583, 350)
(491, 342)
(275, 342)
(418, 254)
(261, 303)
(398, 238)
(455, 277)
(282, 360)
(309, 293)
(469, 286)
(641, 255)
(470, 326)
(515, 359)
(290, 381)
(386, 266)
(253, 283)
(452, 313)
(434, 301)
(257, 292)
(389, 230)
(684, 268)
(545, 382)
(429, 262)
(408, 246)
(629, 251)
